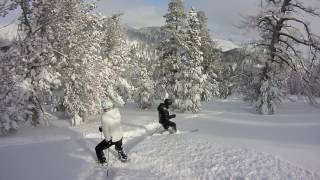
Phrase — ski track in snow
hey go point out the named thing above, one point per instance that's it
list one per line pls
(200, 160)
(206, 160)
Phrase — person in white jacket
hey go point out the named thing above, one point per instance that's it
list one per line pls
(112, 131)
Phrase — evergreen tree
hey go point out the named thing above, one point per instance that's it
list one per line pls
(211, 57)
(176, 17)
(190, 78)
(115, 52)
(144, 93)
(141, 69)
(172, 49)
(77, 43)
(94, 51)
(60, 43)
(14, 92)
(56, 38)
(32, 66)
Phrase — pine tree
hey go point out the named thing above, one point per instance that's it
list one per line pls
(190, 78)
(115, 52)
(61, 44)
(211, 57)
(172, 50)
(14, 93)
(144, 93)
(95, 53)
(32, 66)
(141, 71)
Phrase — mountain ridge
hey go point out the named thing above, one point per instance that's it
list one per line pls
(153, 35)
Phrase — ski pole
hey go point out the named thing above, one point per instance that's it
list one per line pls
(108, 164)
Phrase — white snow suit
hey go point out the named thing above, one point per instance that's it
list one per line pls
(111, 125)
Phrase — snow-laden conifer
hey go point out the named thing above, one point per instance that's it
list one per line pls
(141, 71)
(32, 65)
(190, 79)
(115, 53)
(211, 57)
(172, 49)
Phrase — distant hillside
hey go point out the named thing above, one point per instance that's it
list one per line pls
(225, 45)
(150, 35)
(153, 36)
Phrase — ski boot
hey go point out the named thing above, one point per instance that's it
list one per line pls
(102, 160)
(122, 156)
(172, 130)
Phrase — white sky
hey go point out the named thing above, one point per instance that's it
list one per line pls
(223, 15)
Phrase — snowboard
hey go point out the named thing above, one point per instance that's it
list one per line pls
(170, 132)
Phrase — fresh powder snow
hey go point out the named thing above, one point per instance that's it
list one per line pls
(226, 140)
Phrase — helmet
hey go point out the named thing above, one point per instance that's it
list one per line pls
(106, 104)
(167, 102)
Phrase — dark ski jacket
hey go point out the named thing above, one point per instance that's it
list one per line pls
(164, 114)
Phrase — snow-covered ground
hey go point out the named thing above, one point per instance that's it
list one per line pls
(231, 142)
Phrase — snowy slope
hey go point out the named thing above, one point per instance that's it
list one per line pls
(231, 143)
(225, 45)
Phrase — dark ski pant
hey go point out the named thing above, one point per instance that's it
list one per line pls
(105, 145)
(168, 124)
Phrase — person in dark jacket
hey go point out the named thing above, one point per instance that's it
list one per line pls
(164, 116)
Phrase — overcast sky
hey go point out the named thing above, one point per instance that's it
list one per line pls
(224, 15)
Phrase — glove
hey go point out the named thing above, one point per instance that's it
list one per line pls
(173, 115)
(100, 128)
